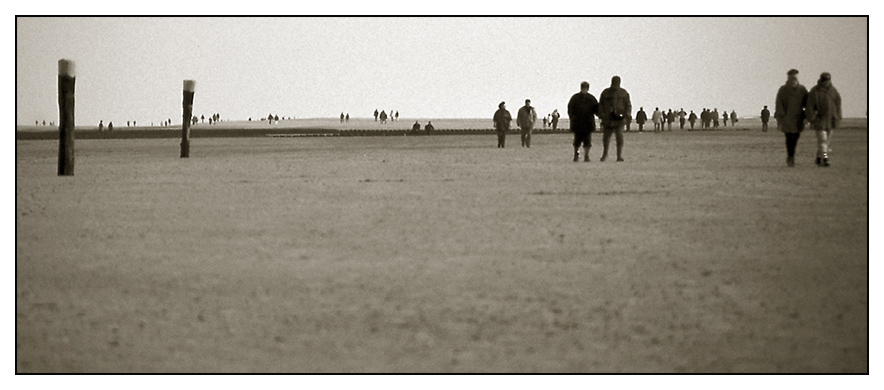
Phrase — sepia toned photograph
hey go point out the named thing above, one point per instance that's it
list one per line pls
(429, 194)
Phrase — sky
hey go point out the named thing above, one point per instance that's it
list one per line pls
(132, 68)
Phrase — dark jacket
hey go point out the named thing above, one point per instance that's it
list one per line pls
(614, 104)
(789, 112)
(526, 117)
(582, 109)
(765, 115)
(416, 126)
(502, 119)
(641, 117)
(824, 107)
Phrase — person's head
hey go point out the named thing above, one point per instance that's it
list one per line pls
(501, 105)
(429, 122)
(641, 108)
(792, 76)
(584, 87)
(527, 102)
(765, 107)
(615, 82)
(825, 80)
(656, 108)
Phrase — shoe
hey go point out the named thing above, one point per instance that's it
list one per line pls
(825, 162)
(790, 161)
(603, 158)
(586, 158)
(620, 159)
(576, 156)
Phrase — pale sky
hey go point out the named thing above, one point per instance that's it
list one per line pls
(132, 68)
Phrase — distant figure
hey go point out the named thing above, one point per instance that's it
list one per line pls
(765, 117)
(544, 122)
(429, 126)
(789, 112)
(715, 118)
(501, 119)
(824, 115)
(692, 118)
(347, 118)
(657, 118)
(170, 121)
(342, 117)
(134, 124)
(44, 122)
(100, 126)
(724, 118)
(555, 119)
(202, 119)
(416, 126)
(127, 123)
(704, 116)
(733, 118)
(110, 127)
(383, 117)
(392, 117)
(614, 106)
(525, 119)
(397, 115)
(276, 118)
(210, 120)
(670, 117)
(36, 123)
(640, 118)
(375, 114)
(582, 111)
(195, 120)
(681, 118)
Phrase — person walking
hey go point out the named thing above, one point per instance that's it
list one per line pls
(375, 114)
(383, 117)
(416, 126)
(824, 115)
(525, 119)
(110, 127)
(429, 127)
(101, 126)
(670, 117)
(397, 115)
(715, 118)
(733, 118)
(789, 112)
(692, 118)
(347, 118)
(544, 122)
(582, 110)
(502, 119)
(724, 118)
(640, 118)
(765, 117)
(614, 106)
(657, 118)
(342, 117)
(681, 118)
(555, 119)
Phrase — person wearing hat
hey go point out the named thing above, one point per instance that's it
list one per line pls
(824, 115)
(614, 106)
(502, 119)
(525, 119)
(765, 117)
(789, 112)
(582, 110)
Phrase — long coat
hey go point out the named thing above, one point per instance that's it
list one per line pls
(789, 112)
(641, 117)
(824, 108)
(502, 119)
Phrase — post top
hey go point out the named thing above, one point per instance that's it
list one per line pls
(66, 68)
(189, 85)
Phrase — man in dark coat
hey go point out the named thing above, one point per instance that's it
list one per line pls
(429, 126)
(582, 110)
(375, 114)
(765, 117)
(416, 126)
(824, 115)
(383, 117)
(614, 106)
(640, 118)
(789, 113)
(525, 119)
(502, 119)
(555, 119)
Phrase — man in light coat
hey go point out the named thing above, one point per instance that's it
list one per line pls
(657, 118)
(824, 115)
(789, 113)
(525, 119)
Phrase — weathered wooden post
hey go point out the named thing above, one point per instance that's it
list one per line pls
(66, 82)
(189, 86)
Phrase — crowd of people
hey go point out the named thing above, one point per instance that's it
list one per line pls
(382, 116)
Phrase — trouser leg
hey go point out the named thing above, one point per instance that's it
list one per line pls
(618, 133)
(606, 141)
(791, 143)
(822, 143)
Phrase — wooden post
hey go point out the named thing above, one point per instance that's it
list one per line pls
(189, 86)
(66, 82)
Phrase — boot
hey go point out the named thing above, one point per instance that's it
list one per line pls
(576, 155)
(586, 155)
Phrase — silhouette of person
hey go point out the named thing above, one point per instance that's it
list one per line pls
(765, 117)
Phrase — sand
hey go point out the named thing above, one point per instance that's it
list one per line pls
(702, 252)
